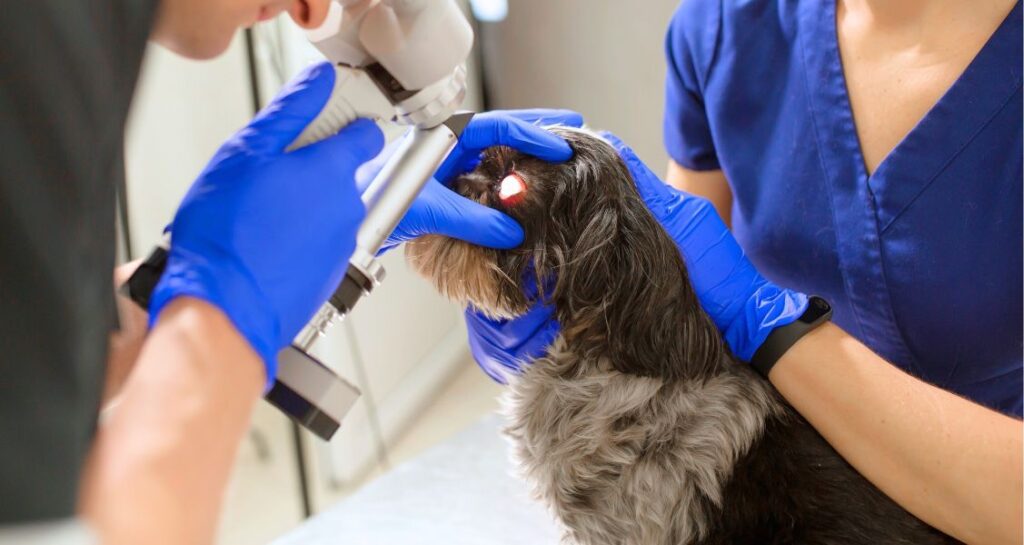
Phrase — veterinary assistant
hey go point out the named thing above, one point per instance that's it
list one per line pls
(869, 153)
(240, 281)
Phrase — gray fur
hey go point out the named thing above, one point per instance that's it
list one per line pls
(627, 459)
(638, 427)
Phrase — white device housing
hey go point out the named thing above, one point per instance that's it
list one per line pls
(396, 61)
(403, 36)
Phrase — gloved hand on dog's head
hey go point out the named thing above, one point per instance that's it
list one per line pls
(437, 210)
(502, 347)
(744, 305)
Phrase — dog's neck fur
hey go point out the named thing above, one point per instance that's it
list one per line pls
(632, 423)
(639, 372)
(637, 426)
(621, 292)
(642, 319)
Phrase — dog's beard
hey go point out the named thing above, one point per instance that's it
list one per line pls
(486, 279)
(614, 278)
(468, 275)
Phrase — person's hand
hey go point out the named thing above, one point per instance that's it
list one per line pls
(126, 341)
(438, 210)
(502, 347)
(263, 234)
(744, 305)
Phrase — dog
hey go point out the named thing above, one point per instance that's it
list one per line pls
(638, 426)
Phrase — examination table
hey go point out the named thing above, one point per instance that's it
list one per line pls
(460, 492)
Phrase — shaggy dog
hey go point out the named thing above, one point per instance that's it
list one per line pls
(638, 426)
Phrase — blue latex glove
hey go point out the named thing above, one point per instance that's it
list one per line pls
(266, 235)
(744, 305)
(502, 347)
(438, 210)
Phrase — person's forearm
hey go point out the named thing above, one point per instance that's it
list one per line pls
(710, 184)
(125, 343)
(162, 458)
(952, 463)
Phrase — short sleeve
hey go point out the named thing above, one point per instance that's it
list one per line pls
(67, 73)
(689, 48)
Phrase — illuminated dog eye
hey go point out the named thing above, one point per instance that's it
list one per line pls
(511, 186)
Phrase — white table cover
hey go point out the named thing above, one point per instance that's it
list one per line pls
(460, 492)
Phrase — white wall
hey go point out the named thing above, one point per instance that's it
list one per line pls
(603, 58)
(181, 113)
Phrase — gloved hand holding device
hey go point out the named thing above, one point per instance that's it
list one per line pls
(744, 305)
(263, 234)
(439, 210)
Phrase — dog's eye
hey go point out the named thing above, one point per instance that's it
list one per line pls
(511, 187)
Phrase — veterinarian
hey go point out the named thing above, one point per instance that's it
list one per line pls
(867, 152)
(158, 463)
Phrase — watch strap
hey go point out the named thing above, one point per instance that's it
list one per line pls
(143, 281)
(781, 339)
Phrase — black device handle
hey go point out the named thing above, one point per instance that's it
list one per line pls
(141, 284)
(296, 399)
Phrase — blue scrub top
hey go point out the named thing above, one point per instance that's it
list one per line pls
(922, 260)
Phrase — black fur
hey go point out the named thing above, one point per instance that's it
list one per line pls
(590, 243)
(792, 487)
(622, 295)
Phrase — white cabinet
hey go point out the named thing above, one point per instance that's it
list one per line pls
(408, 342)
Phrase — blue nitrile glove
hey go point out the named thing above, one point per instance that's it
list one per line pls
(499, 347)
(744, 305)
(502, 347)
(266, 235)
(439, 210)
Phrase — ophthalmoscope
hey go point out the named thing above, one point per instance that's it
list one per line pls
(397, 62)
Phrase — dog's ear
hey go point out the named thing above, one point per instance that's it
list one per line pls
(620, 285)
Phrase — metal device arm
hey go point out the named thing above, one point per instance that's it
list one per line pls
(387, 198)
(397, 62)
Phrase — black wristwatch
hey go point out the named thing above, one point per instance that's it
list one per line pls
(783, 338)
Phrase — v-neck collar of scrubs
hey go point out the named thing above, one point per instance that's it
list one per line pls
(865, 206)
(974, 98)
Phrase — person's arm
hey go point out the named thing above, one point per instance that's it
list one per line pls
(710, 184)
(125, 343)
(162, 459)
(162, 456)
(952, 463)
(220, 314)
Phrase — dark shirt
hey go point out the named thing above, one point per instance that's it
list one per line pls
(67, 73)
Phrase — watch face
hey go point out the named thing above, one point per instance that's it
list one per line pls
(817, 309)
